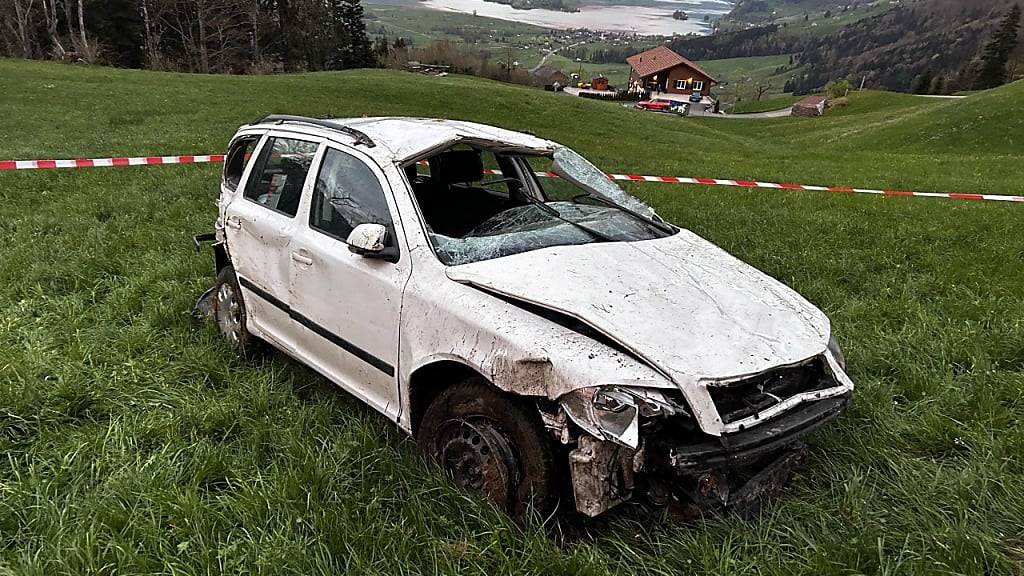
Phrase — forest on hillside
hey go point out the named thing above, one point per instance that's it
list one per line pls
(749, 10)
(939, 39)
(208, 36)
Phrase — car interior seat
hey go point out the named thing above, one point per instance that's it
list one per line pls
(291, 192)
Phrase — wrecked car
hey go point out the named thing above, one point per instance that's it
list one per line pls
(546, 337)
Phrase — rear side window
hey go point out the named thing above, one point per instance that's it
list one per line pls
(279, 174)
(237, 159)
(347, 194)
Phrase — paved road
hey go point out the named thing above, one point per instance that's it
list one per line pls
(552, 53)
(770, 114)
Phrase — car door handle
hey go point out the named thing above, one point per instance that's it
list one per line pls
(235, 223)
(302, 258)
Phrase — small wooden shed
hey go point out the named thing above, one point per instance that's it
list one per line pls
(810, 106)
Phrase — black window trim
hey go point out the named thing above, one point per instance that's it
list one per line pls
(385, 188)
(257, 137)
(514, 156)
(272, 136)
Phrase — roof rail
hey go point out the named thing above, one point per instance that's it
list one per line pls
(361, 137)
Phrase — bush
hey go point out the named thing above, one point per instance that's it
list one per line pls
(837, 89)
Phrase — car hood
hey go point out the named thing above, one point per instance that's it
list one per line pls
(682, 304)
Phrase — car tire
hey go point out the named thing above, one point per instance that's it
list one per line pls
(493, 444)
(230, 315)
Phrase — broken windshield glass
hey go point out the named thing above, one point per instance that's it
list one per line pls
(578, 170)
(532, 227)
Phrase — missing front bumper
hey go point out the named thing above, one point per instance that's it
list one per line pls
(737, 472)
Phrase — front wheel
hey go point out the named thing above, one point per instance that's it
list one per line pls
(492, 444)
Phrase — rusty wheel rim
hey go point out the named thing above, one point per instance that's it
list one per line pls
(479, 458)
(229, 314)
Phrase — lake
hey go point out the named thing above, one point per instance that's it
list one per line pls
(650, 18)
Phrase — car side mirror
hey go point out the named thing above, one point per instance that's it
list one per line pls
(367, 239)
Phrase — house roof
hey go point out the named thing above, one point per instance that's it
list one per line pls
(659, 59)
(811, 101)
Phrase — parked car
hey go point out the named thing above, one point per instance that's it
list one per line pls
(655, 105)
(518, 325)
(696, 97)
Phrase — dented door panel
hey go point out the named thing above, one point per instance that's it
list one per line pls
(259, 239)
(347, 306)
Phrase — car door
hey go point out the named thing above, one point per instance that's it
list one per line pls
(348, 305)
(259, 225)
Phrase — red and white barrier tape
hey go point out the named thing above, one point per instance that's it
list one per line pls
(106, 162)
(756, 184)
(203, 158)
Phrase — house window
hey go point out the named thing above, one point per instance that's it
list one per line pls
(698, 85)
(680, 84)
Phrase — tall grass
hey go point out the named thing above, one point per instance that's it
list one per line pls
(133, 441)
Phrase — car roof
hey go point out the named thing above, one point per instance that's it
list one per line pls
(399, 139)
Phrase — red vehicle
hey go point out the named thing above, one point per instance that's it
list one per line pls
(655, 105)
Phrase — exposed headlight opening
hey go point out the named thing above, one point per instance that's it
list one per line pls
(613, 412)
(837, 352)
(616, 413)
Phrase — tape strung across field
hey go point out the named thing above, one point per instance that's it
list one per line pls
(107, 162)
(204, 158)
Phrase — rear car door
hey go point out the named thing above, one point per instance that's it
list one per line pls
(259, 224)
(347, 306)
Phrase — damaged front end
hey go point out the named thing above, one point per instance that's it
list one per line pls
(632, 440)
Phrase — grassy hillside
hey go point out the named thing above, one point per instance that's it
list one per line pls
(769, 103)
(739, 77)
(135, 441)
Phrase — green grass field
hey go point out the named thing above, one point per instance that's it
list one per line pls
(766, 104)
(739, 77)
(135, 442)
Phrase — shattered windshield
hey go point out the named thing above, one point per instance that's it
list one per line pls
(575, 168)
(530, 227)
(478, 204)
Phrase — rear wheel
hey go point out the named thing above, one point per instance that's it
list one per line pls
(229, 313)
(490, 443)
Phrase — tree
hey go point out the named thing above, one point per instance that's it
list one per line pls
(352, 48)
(837, 89)
(760, 90)
(997, 52)
(922, 83)
(20, 24)
(50, 14)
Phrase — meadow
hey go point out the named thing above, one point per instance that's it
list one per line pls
(134, 441)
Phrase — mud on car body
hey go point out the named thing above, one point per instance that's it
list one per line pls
(518, 326)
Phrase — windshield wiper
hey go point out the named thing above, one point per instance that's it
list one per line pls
(663, 226)
(553, 212)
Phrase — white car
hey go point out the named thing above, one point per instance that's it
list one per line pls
(546, 339)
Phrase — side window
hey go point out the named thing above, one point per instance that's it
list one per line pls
(279, 173)
(237, 159)
(347, 194)
(554, 189)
